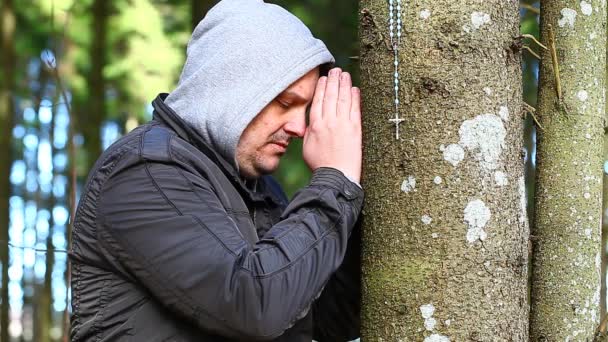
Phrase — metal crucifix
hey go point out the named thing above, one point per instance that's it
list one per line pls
(397, 121)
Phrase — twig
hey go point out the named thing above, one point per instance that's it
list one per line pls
(529, 36)
(40, 250)
(532, 111)
(527, 48)
(558, 84)
(530, 8)
(602, 327)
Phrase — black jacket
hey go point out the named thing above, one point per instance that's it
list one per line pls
(169, 244)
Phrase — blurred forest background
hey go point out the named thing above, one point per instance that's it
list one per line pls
(75, 76)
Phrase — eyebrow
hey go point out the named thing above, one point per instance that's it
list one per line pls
(295, 95)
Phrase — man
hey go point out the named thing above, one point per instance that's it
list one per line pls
(181, 235)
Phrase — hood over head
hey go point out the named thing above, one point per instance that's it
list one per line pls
(240, 57)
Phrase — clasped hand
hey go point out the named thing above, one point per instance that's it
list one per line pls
(333, 136)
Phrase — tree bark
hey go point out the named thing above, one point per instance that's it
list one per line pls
(604, 235)
(90, 120)
(45, 300)
(445, 234)
(37, 300)
(567, 253)
(604, 246)
(7, 84)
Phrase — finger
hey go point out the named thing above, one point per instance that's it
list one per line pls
(344, 96)
(306, 135)
(316, 108)
(330, 102)
(355, 106)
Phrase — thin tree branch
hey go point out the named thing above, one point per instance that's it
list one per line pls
(532, 111)
(530, 8)
(529, 36)
(527, 48)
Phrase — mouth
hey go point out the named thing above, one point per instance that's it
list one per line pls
(280, 145)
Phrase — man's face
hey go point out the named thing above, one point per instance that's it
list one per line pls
(266, 137)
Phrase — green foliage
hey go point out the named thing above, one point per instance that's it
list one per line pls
(144, 61)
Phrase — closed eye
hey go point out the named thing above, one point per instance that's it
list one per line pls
(283, 103)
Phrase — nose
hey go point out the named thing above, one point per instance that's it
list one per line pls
(296, 126)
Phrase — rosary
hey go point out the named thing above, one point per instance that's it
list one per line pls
(395, 43)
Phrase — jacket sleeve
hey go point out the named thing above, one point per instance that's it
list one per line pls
(168, 229)
(336, 314)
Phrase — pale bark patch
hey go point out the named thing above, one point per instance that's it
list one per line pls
(409, 184)
(523, 201)
(429, 323)
(582, 95)
(586, 8)
(454, 154)
(503, 112)
(427, 311)
(485, 136)
(500, 178)
(437, 338)
(568, 17)
(425, 14)
(477, 215)
(478, 19)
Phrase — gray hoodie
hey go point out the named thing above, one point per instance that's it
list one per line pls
(240, 57)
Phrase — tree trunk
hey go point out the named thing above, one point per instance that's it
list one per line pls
(198, 10)
(604, 235)
(37, 300)
(604, 246)
(567, 255)
(91, 119)
(445, 235)
(7, 86)
(45, 301)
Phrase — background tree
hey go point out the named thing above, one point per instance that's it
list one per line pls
(93, 111)
(445, 231)
(198, 10)
(567, 252)
(7, 88)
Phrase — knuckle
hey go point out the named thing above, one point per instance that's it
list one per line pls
(332, 125)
